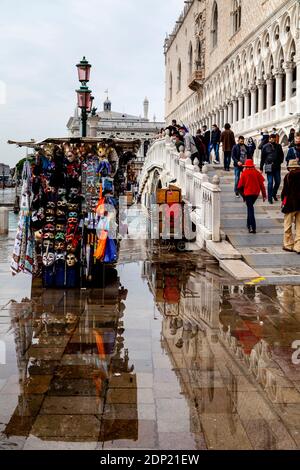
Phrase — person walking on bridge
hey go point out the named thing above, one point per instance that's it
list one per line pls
(290, 198)
(271, 160)
(228, 142)
(240, 154)
(250, 185)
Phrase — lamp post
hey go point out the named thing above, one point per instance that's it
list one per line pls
(84, 97)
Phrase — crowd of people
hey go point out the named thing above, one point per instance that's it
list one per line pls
(249, 182)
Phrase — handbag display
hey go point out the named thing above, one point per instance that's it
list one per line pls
(269, 168)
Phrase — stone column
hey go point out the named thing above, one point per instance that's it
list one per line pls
(221, 120)
(241, 107)
(225, 118)
(93, 125)
(279, 83)
(261, 85)
(289, 69)
(269, 81)
(253, 104)
(234, 110)
(230, 112)
(247, 104)
(279, 80)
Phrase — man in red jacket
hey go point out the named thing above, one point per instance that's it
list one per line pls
(251, 184)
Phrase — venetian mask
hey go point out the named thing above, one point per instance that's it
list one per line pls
(49, 228)
(61, 204)
(60, 213)
(50, 212)
(74, 192)
(48, 259)
(61, 192)
(60, 228)
(50, 189)
(60, 236)
(48, 245)
(71, 260)
(60, 257)
(71, 157)
(73, 207)
(72, 220)
(73, 215)
(60, 246)
(50, 205)
(48, 236)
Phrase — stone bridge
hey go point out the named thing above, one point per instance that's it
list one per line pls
(220, 218)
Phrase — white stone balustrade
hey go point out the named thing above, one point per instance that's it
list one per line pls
(197, 190)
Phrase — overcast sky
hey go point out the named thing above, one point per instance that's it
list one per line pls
(41, 42)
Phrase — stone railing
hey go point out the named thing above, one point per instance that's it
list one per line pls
(203, 195)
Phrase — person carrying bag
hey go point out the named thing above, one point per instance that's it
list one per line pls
(251, 184)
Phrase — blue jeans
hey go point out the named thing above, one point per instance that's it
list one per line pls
(251, 222)
(216, 148)
(227, 160)
(274, 180)
(237, 175)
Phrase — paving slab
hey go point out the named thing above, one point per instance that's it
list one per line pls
(222, 250)
(249, 240)
(240, 223)
(239, 269)
(269, 260)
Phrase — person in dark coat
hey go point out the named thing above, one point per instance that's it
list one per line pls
(294, 150)
(206, 141)
(200, 147)
(215, 142)
(290, 198)
(240, 154)
(251, 147)
(272, 158)
(292, 137)
(228, 142)
(251, 184)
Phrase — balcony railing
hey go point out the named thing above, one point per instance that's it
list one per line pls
(196, 80)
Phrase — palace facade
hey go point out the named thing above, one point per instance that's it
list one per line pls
(235, 61)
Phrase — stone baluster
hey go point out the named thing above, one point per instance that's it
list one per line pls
(216, 209)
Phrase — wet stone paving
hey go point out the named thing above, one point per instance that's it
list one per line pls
(168, 353)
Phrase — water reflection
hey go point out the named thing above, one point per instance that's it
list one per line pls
(231, 348)
(169, 354)
(72, 369)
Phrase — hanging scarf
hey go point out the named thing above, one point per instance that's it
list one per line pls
(24, 258)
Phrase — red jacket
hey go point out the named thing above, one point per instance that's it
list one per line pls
(252, 183)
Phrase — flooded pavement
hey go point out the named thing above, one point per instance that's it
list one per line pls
(169, 354)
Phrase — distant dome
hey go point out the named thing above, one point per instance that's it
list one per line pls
(107, 105)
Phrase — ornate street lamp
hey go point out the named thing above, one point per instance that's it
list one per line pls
(84, 71)
(84, 94)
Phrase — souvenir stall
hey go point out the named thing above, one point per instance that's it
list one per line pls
(68, 228)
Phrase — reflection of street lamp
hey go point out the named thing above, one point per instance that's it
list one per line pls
(84, 97)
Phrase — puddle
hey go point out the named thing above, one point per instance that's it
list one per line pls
(169, 354)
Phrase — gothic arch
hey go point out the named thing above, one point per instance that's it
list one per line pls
(179, 75)
(191, 59)
(214, 25)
